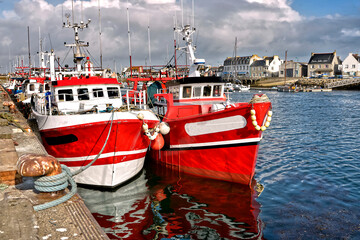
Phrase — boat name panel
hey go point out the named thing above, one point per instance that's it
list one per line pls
(215, 126)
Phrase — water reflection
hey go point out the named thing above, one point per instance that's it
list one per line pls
(165, 204)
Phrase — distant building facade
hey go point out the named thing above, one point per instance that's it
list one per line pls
(351, 65)
(267, 67)
(293, 69)
(238, 66)
(324, 64)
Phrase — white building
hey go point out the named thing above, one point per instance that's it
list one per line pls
(351, 65)
(239, 66)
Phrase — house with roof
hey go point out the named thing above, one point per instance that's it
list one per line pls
(351, 65)
(238, 66)
(293, 69)
(267, 67)
(324, 64)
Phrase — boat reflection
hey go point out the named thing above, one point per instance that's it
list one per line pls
(165, 204)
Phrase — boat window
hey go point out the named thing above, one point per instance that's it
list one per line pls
(41, 88)
(65, 95)
(217, 90)
(98, 92)
(207, 91)
(186, 92)
(196, 91)
(47, 87)
(113, 92)
(83, 94)
(32, 87)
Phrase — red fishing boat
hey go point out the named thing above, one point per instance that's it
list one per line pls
(83, 117)
(209, 136)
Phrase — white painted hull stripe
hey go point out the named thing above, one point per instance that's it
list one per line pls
(105, 155)
(220, 143)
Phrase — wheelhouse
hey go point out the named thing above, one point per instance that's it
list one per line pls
(194, 89)
(87, 97)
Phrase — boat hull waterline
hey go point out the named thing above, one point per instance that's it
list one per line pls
(221, 145)
(75, 140)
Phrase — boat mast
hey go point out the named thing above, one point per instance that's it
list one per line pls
(149, 42)
(78, 56)
(186, 32)
(101, 63)
(28, 31)
(285, 66)
(128, 22)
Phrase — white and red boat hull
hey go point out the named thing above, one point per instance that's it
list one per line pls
(75, 140)
(220, 145)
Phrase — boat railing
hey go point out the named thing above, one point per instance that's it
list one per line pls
(48, 104)
(135, 98)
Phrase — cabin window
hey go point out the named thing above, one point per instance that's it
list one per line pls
(32, 87)
(113, 92)
(197, 92)
(41, 88)
(98, 92)
(186, 92)
(83, 94)
(217, 90)
(66, 95)
(207, 91)
(47, 87)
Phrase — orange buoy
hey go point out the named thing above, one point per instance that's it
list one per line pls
(158, 142)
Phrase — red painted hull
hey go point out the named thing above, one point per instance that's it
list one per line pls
(77, 145)
(229, 154)
(126, 135)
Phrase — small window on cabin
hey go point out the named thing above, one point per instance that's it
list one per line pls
(217, 90)
(175, 92)
(98, 92)
(207, 91)
(32, 87)
(47, 87)
(66, 95)
(186, 92)
(196, 91)
(83, 94)
(41, 88)
(113, 92)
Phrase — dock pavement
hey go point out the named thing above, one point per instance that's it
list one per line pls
(18, 220)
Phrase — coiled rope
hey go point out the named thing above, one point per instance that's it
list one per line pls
(61, 181)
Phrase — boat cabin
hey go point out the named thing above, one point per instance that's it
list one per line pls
(86, 97)
(197, 89)
(32, 86)
(192, 97)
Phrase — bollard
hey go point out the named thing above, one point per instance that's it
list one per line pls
(35, 165)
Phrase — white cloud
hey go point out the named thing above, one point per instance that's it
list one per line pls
(263, 27)
(9, 15)
(351, 32)
(160, 1)
(6, 41)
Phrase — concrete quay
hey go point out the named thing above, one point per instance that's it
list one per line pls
(18, 220)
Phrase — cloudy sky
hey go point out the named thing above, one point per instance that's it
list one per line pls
(262, 27)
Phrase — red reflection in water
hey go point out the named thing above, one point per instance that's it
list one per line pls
(173, 206)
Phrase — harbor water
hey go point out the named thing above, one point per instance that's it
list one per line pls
(307, 183)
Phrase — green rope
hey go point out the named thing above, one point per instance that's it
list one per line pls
(3, 186)
(61, 181)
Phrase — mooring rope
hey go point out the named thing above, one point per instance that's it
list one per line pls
(61, 181)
